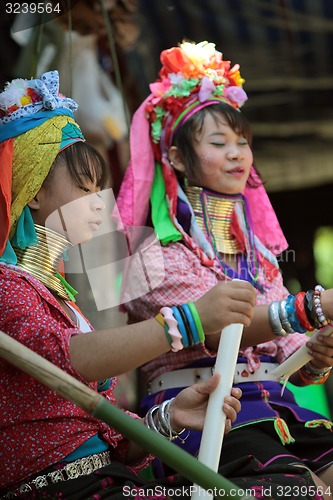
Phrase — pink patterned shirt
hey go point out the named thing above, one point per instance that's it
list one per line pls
(37, 426)
(175, 276)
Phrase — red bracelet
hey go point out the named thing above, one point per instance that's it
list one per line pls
(310, 379)
(301, 313)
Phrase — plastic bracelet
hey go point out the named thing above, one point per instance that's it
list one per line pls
(318, 307)
(274, 319)
(181, 326)
(160, 319)
(310, 310)
(197, 321)
(300, 311)
(292, 316)
(173, 331)
(193, 326)
(187, 326)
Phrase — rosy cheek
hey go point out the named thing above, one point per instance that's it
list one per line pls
(207, 164)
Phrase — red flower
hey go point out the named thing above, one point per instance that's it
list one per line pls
(173, 61)
(35, 97)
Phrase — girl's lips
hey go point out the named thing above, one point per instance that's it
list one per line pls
(236, 172)
(95, 224)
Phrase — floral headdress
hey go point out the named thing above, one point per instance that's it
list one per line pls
(192, 77)
(191, 74)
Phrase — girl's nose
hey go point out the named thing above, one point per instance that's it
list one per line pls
(234, 153)
(97, 202)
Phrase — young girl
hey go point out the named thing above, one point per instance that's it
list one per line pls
(192, 177)
(50, 199)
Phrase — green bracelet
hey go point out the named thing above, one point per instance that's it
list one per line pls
(197, 321)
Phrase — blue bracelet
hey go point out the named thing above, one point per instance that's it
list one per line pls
(292, 316)
(181, 326)
(192, 324)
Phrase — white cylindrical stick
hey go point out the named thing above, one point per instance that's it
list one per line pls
(213, 431)
(300, 357)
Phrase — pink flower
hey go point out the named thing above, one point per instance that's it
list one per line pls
(235, 94)
(206, 89)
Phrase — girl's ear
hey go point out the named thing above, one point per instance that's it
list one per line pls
(34, 204)
(176, 159)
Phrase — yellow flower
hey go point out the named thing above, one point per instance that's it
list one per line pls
(200, 55)
(25, 99)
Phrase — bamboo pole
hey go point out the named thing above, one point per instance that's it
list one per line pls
(96, 405)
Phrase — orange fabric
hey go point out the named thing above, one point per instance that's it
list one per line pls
(6, 157)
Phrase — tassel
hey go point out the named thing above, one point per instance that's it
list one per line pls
(283, 432)
(317, 423)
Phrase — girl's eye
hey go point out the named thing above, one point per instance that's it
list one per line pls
(218, 144)
(243, 143)
(85, 189)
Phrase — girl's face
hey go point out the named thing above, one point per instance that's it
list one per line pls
(69, 208)
(225, 157)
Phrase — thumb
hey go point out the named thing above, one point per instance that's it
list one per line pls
(208, 386)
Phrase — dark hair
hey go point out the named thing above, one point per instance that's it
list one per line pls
(183, 139)
(83, 161)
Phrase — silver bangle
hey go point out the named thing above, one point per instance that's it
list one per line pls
(284, 317)
(274, 319)
(162, 424)
(149, 418)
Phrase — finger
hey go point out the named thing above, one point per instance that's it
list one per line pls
(227, 426)
(230, 412)
(318, 349)
(324, 340)
(232, 403)
(236, 392)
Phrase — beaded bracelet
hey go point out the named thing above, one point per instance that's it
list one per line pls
(318, 307)
(173, 332)
(309, 376)
(300, 311)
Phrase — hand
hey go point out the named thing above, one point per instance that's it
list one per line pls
(321, 351)
(226, 303)
(188, 409)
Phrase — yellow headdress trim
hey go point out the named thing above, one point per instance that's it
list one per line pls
(34, 154)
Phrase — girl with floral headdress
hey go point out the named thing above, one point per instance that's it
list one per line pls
(192, 178)
(50, 199)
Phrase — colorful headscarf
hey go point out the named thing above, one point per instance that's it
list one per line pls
(193, 76)
(36, 123)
